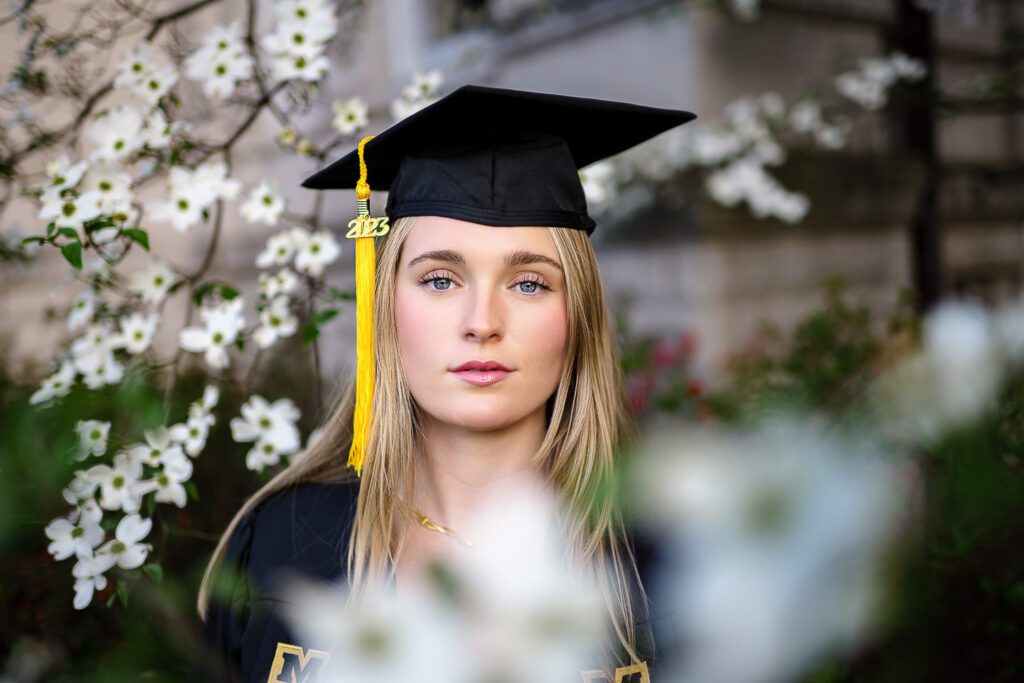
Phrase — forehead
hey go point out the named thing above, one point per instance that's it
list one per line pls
(474, 240)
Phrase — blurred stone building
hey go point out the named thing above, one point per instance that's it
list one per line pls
(693, 265)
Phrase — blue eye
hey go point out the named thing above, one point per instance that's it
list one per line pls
(531, 287)
(528, 287)
(439, 281)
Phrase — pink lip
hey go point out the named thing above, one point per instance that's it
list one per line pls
(481, 372)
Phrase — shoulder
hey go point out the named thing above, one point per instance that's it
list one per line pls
(301, 530)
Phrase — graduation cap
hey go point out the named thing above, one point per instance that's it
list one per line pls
(485, 155)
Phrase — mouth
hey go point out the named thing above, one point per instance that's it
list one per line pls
(481, 373)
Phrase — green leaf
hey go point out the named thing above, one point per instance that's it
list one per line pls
(136, 235)
(335, 294)
(73, 253)
(110, 600)
(150, 505)
(202, 291)
(192, 491)
(50, 229)
(99, 224)
(154, 571)
(68, 232)
(122, 592)
(227, 292)
(310, 332)
(30, 240)
(323, 315)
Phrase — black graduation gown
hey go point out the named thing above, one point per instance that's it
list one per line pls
(304, 530)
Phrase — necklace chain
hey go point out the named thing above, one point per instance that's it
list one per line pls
(434, 526)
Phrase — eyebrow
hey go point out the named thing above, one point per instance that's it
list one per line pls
(516, 258)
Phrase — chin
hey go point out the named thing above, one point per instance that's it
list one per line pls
(480, 415)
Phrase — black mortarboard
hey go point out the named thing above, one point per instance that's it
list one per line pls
(484, 155)
(498, 157)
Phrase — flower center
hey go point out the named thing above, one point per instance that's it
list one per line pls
(119, 145)
(68, 209)
(117, 548)
(95, 435)
(106, 186)
(117, 482)
(268, 200)
(221, 70)
(267, 448)
(315, 248)
(59, 180)
(158, 280)
(218, 338)
(183, 204)
(265, 423)
(193, 432)
(274, 321)
(77, 532)
(300, 63)
(163, 480)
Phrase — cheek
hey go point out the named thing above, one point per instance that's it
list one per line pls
(416, 327)
(547, 335)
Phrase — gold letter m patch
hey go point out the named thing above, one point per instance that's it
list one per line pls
(292, 664)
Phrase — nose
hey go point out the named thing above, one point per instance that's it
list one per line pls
(484, 318)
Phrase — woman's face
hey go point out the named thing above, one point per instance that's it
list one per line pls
(467, 292)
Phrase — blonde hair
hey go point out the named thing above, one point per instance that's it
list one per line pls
(589, 422)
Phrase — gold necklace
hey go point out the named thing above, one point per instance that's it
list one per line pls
(434, 526)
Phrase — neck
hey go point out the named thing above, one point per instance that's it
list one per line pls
(458, 470)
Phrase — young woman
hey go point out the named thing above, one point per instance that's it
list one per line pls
(494, 362)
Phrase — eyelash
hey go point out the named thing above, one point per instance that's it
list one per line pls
(435, 275)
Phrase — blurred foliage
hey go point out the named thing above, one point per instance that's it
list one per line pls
(154, 636)
(955, 610)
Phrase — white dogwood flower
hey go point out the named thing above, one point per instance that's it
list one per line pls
(221, 62)
(132, 70)
(80, 490)
(424, 85)
(168, 482)
(262, 454)
(57, 384)
(153, 281)
(350, 115)
(70, 211)
(276, 321)
(82, 309)
(159, 449)
(126, 549)
(136, 332)
(71, 538)
(279, 250)
(192, 433)
(283, 281)
(156, 84)
(92, 438)
(115, 134)
(113, 187)
(263, 205)
(273, 423)
(190, 193)
(88, 573)
(220, 329)
(64, 175)
(117, 484)
(314, 251)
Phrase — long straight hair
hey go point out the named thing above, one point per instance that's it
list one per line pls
(589, 424)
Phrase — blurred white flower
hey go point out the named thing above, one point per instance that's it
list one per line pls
(158, 130)
(113, 188)
(190, 193)
(83, 309)
(156, 84)
(287, 67)
(278, 251)
(126, 549)
(221, 62)
(192, 434)
(209, 399)
(273, 423)
(747, 10)
(776, 540)
(424, 85)
(300, 36)
(283, 281)
(117, 484)
(92, 438)
(115, 134)
(136, 332)
(952, 381)
(168, 482)
(70, 538)
(262, 454)
(746, 180)
(80, 490)
(805, 116)
(598, 184)
(867, 93)
(350, 115)
(93, 355)
(135, 66)
(264, 204)
(153, 282)
(276, 321)
(70, 211)
(314, 251)
(57, 384)
(159, 449)
(88, 573)
(221, 325)
(64, 175)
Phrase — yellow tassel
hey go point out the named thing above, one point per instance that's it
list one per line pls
(362, 230)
